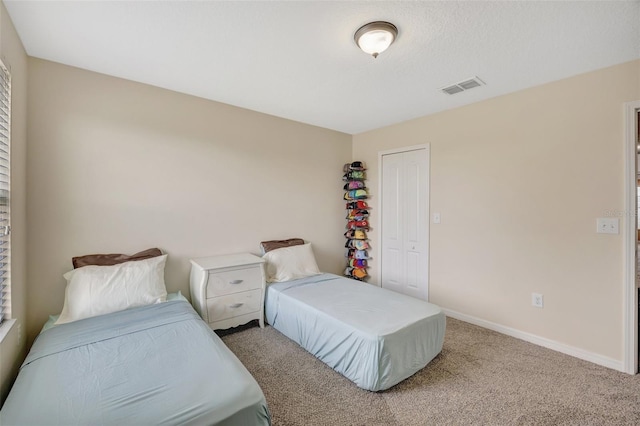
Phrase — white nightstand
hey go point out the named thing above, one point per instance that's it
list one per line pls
(228, 291)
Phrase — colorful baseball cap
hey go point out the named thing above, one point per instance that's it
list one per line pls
(360, 244)
(360, 254)
(357, 263)
(357, 234)
(354, 175)
(356, 254)
(354, 184)
(358, 165)
(357, 244)
(353, 224)
(357, 205)
(353, 214)
(355, 194)
(359, 273)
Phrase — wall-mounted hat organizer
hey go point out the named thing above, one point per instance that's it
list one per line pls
(357, 245)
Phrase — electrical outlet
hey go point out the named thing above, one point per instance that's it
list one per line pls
(607, 225)
(537, 300)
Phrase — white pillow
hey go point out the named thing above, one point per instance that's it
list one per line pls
(290, 263)
(97, 290)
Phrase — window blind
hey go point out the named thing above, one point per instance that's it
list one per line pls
(5, 206)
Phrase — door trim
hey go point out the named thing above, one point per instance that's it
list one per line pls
(426, 146)
(629, 227)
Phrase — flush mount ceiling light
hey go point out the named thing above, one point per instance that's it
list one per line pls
(375, 37)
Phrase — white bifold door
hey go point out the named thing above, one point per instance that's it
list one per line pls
(405, 222)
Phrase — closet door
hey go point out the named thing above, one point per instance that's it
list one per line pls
(392, 273)
(405, 222)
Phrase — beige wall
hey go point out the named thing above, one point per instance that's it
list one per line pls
(118, 166)
(519, 181)
(13, 348)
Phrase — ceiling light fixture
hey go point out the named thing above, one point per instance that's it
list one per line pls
(375, 37)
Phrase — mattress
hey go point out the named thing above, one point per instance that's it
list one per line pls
(374, 337)
(153, 365)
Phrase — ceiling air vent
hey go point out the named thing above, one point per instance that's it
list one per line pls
(452, 90)
(462, 86)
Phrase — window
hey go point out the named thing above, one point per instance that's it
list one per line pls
(5, 238)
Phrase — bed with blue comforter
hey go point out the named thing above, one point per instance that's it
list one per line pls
(374, 337)
(158, 364)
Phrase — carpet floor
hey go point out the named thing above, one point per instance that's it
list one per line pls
(480, 378)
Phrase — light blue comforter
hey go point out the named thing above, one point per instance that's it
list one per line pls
(374, 337)
(154, 365)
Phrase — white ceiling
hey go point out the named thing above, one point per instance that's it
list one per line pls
(298, 60)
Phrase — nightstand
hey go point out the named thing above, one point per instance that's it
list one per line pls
(228, 291)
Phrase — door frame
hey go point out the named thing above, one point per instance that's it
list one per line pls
(630, 233)
(427, 147)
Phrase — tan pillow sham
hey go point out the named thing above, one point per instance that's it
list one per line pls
(113, 259)
(267, 246)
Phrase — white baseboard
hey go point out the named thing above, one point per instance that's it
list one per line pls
(540, 341)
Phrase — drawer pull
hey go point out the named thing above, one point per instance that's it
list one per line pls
(236, 305)
(236, 282)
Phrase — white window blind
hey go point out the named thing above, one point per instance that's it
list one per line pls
(5, 236)
(638, 205)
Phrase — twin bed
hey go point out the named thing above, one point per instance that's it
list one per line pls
(159, 363)
(374, 337)
(123, 352)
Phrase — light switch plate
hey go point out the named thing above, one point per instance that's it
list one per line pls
(607, 225)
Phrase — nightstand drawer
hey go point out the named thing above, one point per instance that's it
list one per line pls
(227, 282)
(233, 305)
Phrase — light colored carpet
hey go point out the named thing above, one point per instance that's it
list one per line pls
(480, 378)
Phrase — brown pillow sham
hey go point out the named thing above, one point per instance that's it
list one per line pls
(113, 259)
(267, 246)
